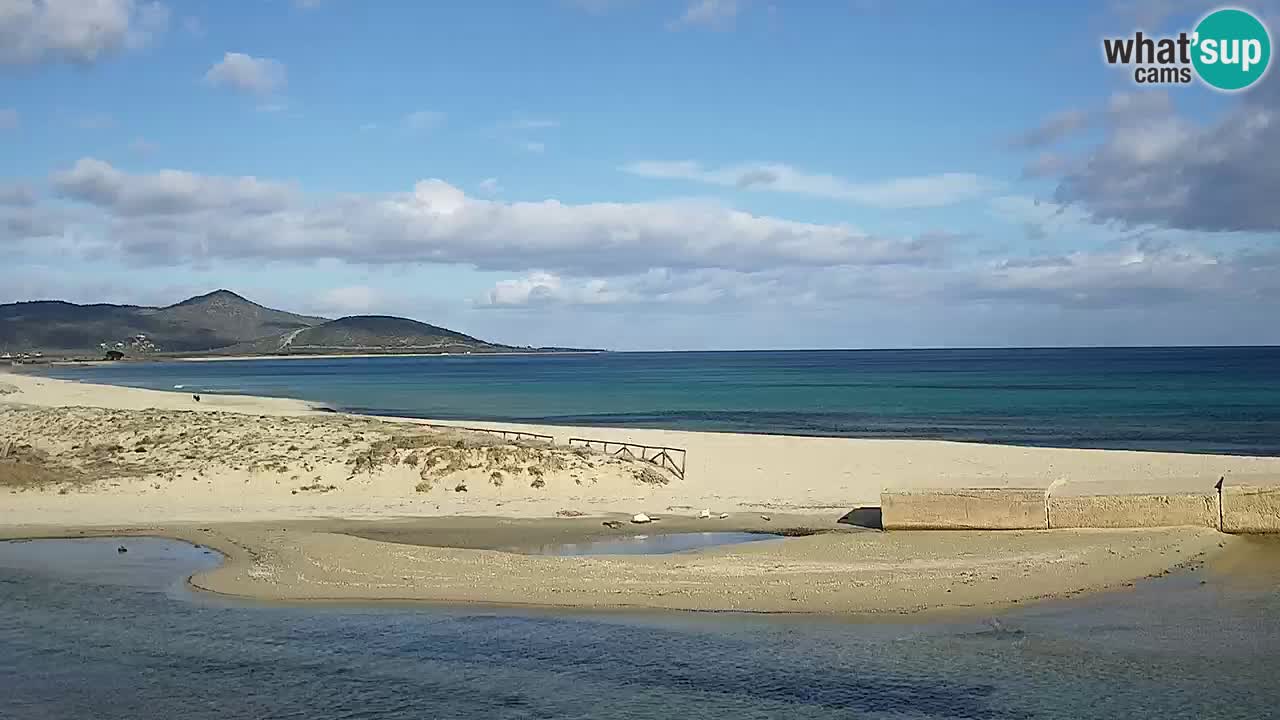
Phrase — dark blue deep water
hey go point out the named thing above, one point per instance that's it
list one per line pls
(86, 632)
(1222, 400)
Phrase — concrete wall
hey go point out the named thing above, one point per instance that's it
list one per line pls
(1133, 511)
(1244, 510)
(1251, 509)
(969, 509)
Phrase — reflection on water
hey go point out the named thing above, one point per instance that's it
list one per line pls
(103, 634)
(662, 544)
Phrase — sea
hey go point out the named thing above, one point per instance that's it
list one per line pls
(1191, 399)
(89, 632)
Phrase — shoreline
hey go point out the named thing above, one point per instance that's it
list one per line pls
(339, 356)
(259, 565)
(569, 429)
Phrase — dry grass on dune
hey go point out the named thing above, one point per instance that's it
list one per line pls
(79, 445)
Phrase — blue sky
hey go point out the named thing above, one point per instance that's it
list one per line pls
(643, 174)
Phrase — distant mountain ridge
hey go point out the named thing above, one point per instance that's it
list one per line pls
(217, 323)
(203, 322)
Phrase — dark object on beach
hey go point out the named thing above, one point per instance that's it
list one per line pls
(196, 398)
(612, 524)
(867, 516)
(326, 409)
(766, 518)
(114, 355)
(122, 549)
(460, 487)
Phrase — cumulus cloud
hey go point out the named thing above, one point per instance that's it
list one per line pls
(490, 186)
(1132, 274)
(600, 255)
(34, 31)
(541, 288)
(247, 74)
(1136, 273)
(182, 215)
(1155, 166)
(168, 192)
(909, 192)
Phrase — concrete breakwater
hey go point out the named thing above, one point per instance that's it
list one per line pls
(1230, 509)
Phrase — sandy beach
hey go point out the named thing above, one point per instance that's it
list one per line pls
(316, 505)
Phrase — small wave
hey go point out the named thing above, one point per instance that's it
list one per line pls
(178, 387)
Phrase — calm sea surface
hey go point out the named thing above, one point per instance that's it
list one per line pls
(87, 632)
(1224, 400)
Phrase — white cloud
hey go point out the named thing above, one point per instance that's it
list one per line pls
(424, 120)
(909, 192)
(709, 13)
(1157, 167)
(1132, 274)
(600, 255)
(168, 192)
(1135, 274)
(78, 31)
(490, 186)
(8, 119)
(175, 216)
(247, 74)
(541, 288)
(534, 147)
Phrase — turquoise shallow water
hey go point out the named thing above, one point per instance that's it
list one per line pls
(87, 632)
(1223, 400)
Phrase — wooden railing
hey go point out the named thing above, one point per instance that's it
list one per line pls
(505, 434)
(667, 458)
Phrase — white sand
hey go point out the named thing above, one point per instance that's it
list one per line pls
(725, 472)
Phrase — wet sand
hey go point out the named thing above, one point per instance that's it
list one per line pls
(841, 572)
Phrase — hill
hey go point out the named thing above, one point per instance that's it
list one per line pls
(219, 323)
(368, 334)
(217, 319)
